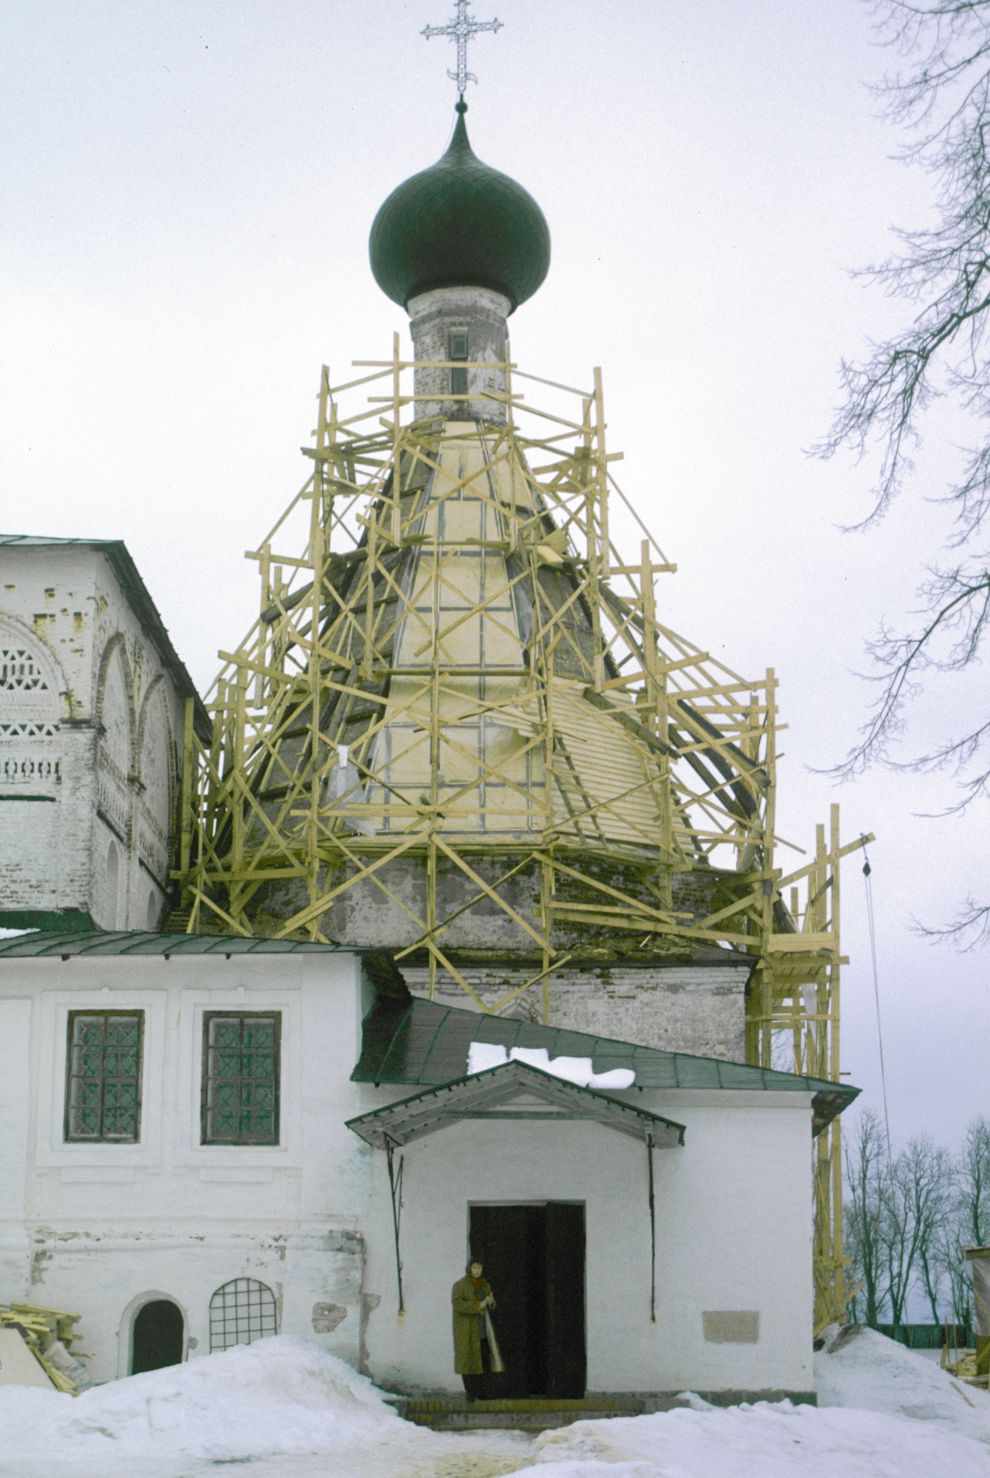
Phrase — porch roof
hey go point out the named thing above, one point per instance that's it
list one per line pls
(511, 1091)
(416, 1041)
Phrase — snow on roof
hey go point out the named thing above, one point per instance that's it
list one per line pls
(579, 1070)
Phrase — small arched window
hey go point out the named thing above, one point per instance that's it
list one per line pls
(241, 1311)
(30, 742)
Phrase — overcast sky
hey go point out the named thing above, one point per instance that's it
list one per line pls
(187, 189)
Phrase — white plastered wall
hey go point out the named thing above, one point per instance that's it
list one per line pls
(120, 724)
(724, 1244)
(101, 1228)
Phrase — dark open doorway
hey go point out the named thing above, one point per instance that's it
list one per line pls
(534, 1259)
(157, 1337)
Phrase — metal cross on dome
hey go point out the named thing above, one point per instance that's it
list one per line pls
(461, 28)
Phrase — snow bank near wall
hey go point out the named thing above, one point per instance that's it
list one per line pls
(760, 1441)
(884, 1412)
(285, 1409)
(277, 1395)
(860, 1368)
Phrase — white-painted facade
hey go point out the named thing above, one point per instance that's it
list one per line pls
(105, 1229)
(712, 1182)
(91, 715)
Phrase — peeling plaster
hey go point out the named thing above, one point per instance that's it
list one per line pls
(327, 1316)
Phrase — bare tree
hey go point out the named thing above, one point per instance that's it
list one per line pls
(917, 1208)
(949, 1256)
(974, 1185)
(942, 104)
(867, 1162)
(908, 1218)
(969, 1222)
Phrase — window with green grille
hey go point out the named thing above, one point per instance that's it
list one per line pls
(240, 1077)
(457, 343)
(103, 1077)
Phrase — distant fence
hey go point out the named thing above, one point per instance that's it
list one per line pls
(928, 1336)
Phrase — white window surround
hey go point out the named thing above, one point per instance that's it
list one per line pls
(195, 1003)
(53, 1009)
(171, 1077)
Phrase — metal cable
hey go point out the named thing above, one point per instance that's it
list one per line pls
(871, 923)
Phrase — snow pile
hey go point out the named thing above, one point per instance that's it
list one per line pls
(859, 1367)
(884, 1412)
(281, 1408)
(579, 1070)
(278, 1395)
(758, 1441)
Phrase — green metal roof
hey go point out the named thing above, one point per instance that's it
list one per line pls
(419, 1041)
(408, 1040)
(90, 943)
(459, 224)
(52, 920)
(42, 541)
(144, 608)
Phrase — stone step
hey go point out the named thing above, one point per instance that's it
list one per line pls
(536, 1414)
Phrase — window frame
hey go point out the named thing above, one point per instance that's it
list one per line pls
(248, 1296)
(207, 1109)
(458, 349)
(102, 1138)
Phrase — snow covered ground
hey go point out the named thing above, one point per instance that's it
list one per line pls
(283, 1409)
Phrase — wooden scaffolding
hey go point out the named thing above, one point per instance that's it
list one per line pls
(455, 671)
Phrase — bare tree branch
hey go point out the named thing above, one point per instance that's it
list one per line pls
(941, 102)
(969, 930)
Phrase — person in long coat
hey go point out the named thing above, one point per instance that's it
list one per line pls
(476, 1353)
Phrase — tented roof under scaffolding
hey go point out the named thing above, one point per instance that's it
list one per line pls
(458, 729)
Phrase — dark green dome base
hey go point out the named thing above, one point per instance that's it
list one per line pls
(459, 224)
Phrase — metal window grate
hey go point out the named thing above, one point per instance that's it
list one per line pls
(240, 1102)
(103, 1076)
(457, 345)
(241, 1311)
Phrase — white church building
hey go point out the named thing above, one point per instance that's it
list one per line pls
(218, 1138)
(210, 1137)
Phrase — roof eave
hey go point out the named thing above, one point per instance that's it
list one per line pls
(409, 1118)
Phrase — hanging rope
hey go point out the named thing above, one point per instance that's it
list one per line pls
(871, 923)
(653, 1232)
(395, 1186)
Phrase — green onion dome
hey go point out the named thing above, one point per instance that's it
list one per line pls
(459, 224)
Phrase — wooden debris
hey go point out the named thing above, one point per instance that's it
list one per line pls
(50, 1335)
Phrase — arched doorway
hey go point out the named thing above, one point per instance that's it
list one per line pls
(157, 1336)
